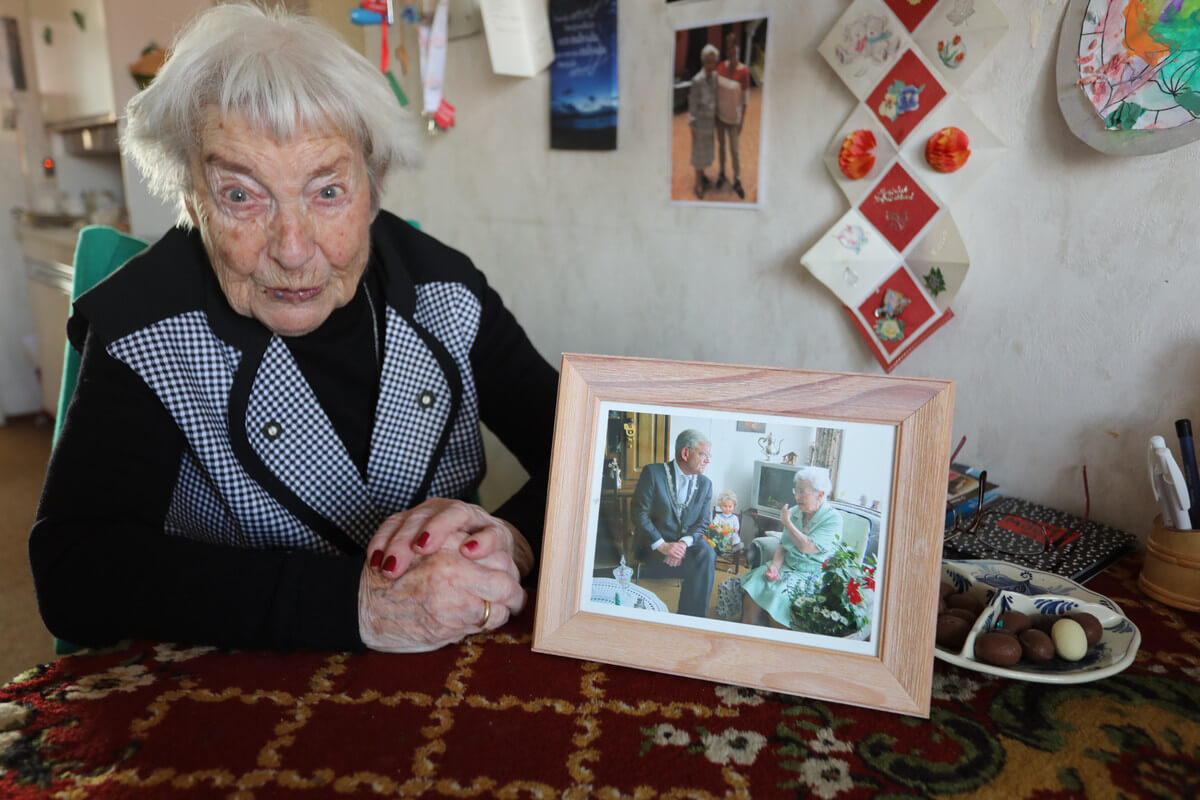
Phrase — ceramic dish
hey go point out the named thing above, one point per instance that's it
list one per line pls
(1000, 586)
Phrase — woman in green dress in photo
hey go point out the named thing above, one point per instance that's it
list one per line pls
(812, 531)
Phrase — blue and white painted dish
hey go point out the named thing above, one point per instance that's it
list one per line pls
(1002, 586)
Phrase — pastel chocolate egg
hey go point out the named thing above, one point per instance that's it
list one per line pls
(1015, 622)
(952, 631)
(1036, 646)
(961, 600)
(1070, 642)
(1000, 649)
(1091, 626)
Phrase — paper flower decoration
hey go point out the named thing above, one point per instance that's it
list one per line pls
(948, 149)
(857, 155)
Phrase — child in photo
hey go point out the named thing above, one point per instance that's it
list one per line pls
(727, 504)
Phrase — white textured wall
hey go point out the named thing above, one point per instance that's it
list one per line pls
(1074, 339)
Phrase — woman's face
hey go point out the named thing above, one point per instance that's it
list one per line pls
(808, 500)
(285, 224)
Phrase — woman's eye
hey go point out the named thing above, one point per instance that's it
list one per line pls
(330, 192)
(237, 195)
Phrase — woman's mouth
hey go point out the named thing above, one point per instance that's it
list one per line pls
(294, 295)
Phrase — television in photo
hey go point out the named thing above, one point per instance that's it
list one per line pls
(772, 487)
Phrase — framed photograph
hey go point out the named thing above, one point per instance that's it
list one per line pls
(717, 100)
(805, 560)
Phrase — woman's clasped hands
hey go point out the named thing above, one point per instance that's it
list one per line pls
(438, 572)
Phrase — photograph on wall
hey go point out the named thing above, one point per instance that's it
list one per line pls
(778, 536)
(717, 100)
(584, 97)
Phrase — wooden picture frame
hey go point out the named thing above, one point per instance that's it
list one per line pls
(892, 670)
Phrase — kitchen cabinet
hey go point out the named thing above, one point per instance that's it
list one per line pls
(49, 255)
(70, 47)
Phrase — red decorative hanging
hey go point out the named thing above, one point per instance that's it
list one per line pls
(857, 155)
(948, 149)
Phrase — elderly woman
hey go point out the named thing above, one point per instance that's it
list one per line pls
(812, 529)
(278, 412)
(702, 115)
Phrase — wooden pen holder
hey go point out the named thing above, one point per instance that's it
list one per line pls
(1171, 573)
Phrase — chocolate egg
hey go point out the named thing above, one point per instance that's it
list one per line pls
(1044, 622)
(952, 631)
(1070, 642)
(1000, 649)
(941, 605)
(1015, 622)
(1036, 646)
(1091, 626)
(947, 589)
(961, 600)
(969, 616)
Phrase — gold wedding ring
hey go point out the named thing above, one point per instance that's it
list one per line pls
(487, 613)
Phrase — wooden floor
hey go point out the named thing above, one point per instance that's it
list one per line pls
(24, 451)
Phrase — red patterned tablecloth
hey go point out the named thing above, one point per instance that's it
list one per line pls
(491, 718)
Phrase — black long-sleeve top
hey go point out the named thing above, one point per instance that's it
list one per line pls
(115, 550)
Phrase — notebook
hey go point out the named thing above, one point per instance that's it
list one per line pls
(1080, 549)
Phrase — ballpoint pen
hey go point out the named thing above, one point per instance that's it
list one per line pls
(1187, 460)
(1169, 487)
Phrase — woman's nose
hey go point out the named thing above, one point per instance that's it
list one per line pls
(291, 240)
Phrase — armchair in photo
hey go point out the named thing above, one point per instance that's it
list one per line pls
(860, 532)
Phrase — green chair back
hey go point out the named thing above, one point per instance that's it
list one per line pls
(98, 252)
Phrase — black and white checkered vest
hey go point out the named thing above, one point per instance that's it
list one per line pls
(263, 465)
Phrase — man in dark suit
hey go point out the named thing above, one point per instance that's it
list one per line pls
(672, 506)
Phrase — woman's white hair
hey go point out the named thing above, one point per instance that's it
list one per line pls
(710, 49)
(816, 477)
(283, 73)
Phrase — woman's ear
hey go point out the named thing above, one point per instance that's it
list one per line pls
(191, 210)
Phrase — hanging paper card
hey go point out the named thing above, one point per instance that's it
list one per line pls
(583, 77)
(883, 152)
(896, 260)
(939, 259)
(957, 36)
(982, 146)
(905, 96)
(898, 206)
(910, 12)
(863, 44)
(851, 258)
(518, 36)
(896, 317)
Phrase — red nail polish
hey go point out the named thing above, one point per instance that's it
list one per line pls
(376, 558)
(389, 564)
(423, 539)
(472, 544)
